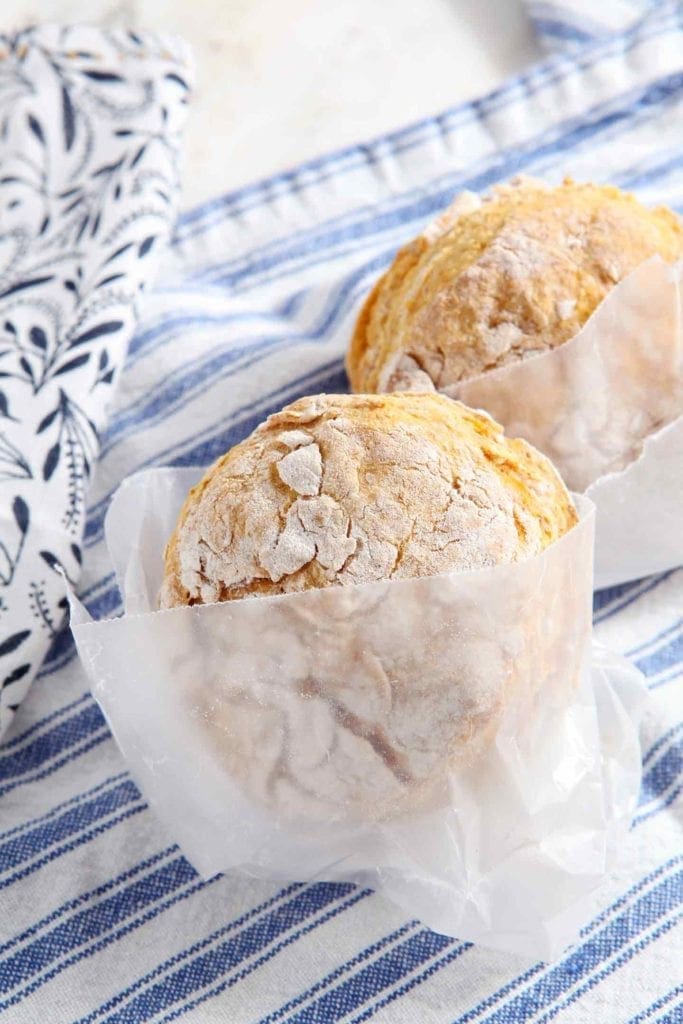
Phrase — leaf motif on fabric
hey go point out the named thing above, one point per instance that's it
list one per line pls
(26, 367)
(13, 463)
(23, 285)
(146, 245)
(51, 560)
(37, 129)
(72, 364)
(108, 327)
(51, 460)
(38, 337)
(68, 119)
(103, 76)
(4, 408)
(47, 420)
(16, 674)
(21, 513)
(13, 641)
(172, 76)
(138, 156)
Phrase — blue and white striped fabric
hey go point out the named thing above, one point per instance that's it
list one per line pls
(101, 918)
(564, 23)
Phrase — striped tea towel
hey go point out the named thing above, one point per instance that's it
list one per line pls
(564, 23)
(101, 918)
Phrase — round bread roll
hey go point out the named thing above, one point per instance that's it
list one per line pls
(342, 489)
(352, 704)
(496, 279)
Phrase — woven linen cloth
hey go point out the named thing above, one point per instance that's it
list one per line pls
(101, 918)
(89, 186)
(564, 23)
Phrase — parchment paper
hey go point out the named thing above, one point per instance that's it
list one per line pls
(607, 408)
(452, 741)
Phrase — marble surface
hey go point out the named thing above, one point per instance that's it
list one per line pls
(279, 81)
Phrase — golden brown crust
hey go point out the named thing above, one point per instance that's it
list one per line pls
(490, 282)
(340, 489)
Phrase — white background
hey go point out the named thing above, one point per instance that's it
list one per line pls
(280, 81)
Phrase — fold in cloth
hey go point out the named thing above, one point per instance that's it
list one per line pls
(89, 125)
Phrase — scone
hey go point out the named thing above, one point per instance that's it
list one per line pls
(342, 489)
(494, 280)
(350, 689)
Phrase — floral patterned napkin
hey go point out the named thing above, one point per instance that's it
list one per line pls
(89, 124)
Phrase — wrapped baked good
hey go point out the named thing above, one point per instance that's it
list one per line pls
(339, 490)
(558, 310)
(400, 692)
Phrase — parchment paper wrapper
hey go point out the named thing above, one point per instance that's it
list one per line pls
(451, 741)
(607, 408)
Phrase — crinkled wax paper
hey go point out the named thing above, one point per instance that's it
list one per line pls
(607, 408)
(452, 741)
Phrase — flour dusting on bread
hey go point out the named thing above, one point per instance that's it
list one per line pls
(352, 489)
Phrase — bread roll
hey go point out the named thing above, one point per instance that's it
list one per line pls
(353, 703)
(494, 280)
(341, 489)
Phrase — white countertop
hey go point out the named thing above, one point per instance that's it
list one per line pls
(280, 81)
